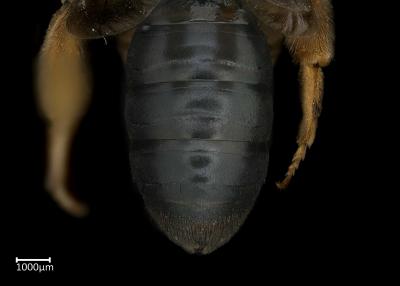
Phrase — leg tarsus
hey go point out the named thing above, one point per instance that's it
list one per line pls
(66, 201)
(59, 145)
(297, 158)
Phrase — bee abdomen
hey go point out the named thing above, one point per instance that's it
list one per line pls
(199, 117)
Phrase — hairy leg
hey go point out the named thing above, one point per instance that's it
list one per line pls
(307, 27)
(312, 50)
(63, 95)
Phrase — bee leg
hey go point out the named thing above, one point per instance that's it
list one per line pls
(63, 84)
(307, 28)
(312, 51)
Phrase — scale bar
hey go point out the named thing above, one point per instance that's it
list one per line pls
(32, 259)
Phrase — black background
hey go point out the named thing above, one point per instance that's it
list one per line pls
(318, 225)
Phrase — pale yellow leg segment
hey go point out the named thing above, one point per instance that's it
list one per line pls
(63, 95)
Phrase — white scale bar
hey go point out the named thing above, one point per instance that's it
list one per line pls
(32, 259)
